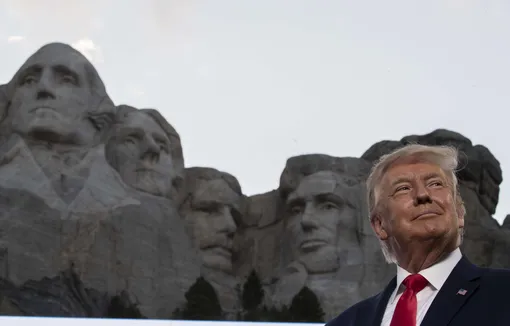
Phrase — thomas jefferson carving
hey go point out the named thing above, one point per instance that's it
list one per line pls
(146, 151)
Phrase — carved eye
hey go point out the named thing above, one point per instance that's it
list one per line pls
(130, 140)
(68, 79)
(328, 206)
(29, 79)
(209, 208)
(295, 209)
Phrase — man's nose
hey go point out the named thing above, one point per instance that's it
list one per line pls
(228, 224)
(152, 150)
(422, 195)
(44, 88)
(308, 219)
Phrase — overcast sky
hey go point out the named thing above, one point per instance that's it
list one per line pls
(250, 83)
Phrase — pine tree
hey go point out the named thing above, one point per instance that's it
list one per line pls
(305, 307)
(253, 294)
(202, 303)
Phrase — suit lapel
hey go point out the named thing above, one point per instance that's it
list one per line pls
(465, 277)
(381, 302)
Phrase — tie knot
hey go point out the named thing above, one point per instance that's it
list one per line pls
(415, 282)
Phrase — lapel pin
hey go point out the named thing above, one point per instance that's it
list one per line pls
(462, 292)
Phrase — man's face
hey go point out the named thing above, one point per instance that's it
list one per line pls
(417, 205)
(142, 155)
(51, 98)
(213, 216)
(317, 213)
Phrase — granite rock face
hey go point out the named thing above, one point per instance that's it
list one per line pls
(87, 183)
(99, 217)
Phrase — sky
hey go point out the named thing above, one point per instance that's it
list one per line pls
(248, 84)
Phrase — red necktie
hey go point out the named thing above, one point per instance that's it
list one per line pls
(407, 306)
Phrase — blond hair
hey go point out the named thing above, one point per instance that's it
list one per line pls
(446, 157)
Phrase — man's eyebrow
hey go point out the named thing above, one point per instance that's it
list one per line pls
(137, 130)
(30, 69)
(400, 179)
(432, 175)
(66, 70)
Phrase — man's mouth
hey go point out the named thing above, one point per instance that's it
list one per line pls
(42, 109)
(427, 214)
(312, 244)
(149, 170)
(222, 251)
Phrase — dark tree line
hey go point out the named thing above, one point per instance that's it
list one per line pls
(202, 303)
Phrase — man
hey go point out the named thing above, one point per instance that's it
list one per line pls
(146, 151)
(54, 112)
(212, 208)
(418, 216)
(320, 245)
(321, 221)
(57, 96)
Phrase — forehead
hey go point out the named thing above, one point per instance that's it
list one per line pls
(316, 184)
(142, 121)
(217, 191)
(57, 56)
(412, 171)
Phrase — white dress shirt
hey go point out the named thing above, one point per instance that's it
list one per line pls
(435, 274)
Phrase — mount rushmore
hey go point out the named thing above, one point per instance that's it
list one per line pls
(99, 210)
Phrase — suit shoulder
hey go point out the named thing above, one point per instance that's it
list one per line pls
(354, 313)
(497, 275)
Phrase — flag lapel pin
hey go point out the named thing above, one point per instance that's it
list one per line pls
(462, 292)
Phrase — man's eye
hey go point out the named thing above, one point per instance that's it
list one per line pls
(295, 209)
(402, 188)
(29, 80)
(68, 79)
(328, 206)
(130, 140)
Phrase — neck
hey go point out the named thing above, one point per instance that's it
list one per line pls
(417, 257)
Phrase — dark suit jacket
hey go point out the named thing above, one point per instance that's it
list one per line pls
(486, 302)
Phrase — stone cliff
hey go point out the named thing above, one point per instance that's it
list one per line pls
(100, 217)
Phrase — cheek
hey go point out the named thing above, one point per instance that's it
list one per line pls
(198, 222)
(294, 223)
(330, 219)
(75, 95)
(166, 160)
(127, 153)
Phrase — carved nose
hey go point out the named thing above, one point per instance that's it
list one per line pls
(228, 225)
(308, 221)
(45, 94)
(151, 152)
(44, 91)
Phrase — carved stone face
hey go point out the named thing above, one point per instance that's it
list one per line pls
(316, 211)
(141, 155)
(51, 97)
(213, 217)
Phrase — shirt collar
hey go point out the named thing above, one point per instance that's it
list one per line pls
(435, 274)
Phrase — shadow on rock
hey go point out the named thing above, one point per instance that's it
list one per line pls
(64, 295)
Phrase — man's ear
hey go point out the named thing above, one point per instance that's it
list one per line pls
(379, 226)
(461, 212)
